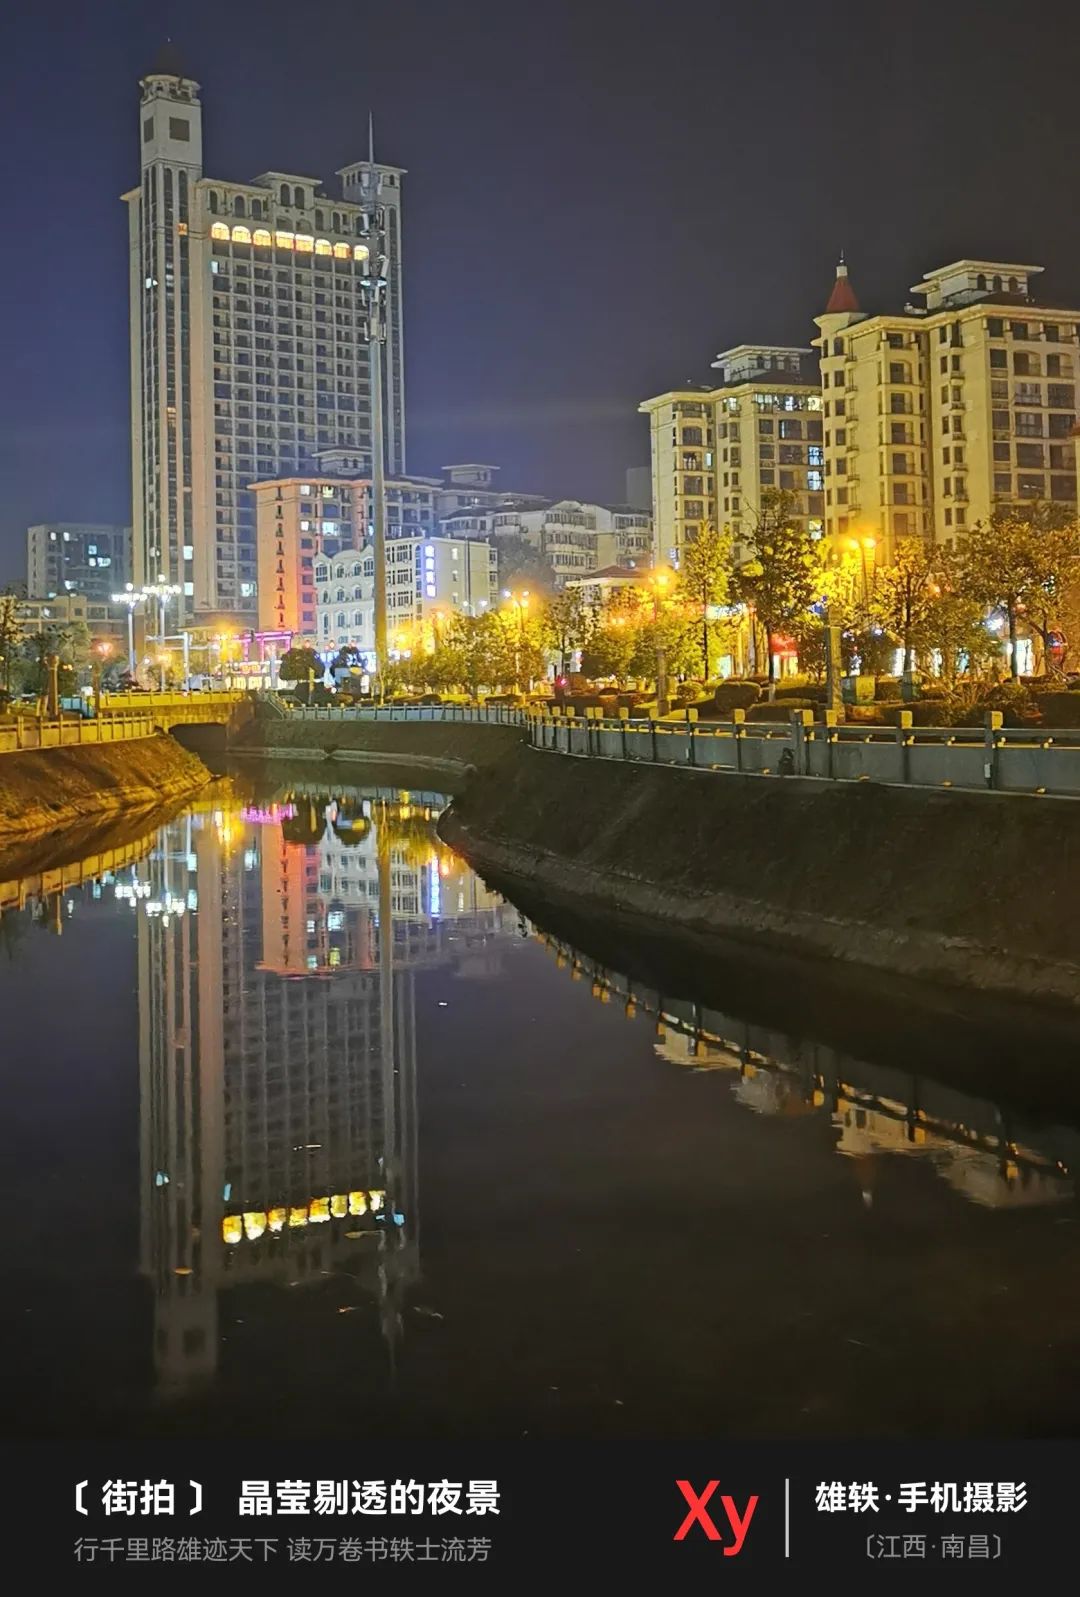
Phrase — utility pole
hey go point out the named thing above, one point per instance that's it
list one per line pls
(375, 299)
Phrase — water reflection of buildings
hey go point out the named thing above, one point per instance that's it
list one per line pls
(278, 1052)
(974, 1145)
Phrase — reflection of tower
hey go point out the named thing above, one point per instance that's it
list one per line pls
(274, 1090)
(181, 976)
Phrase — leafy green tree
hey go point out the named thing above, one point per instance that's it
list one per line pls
(1021, 558)
(9, 635)
(570, 623)
(905, 591)
(782, 578)
(705, 580)
(301, 665)
(1055, 561)
(521, 566)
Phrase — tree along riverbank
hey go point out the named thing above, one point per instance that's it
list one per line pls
(974, 890)
(48, 790)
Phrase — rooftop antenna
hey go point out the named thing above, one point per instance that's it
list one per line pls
(374, 284)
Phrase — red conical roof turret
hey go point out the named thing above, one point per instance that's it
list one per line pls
(842, 299)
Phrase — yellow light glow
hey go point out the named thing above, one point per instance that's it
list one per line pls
(276, 1219)
(305, 243)
(319, 1211)
(284, 241)
(219, 230)
(339, 1206)
(254, 1225)
(376, 1199)
(341, 251)
(869, 543)
(298, 1216)
(232, 1228)
(360, 252)
(358, 1203)
(262, 238)
(241, 235)
(323, 246)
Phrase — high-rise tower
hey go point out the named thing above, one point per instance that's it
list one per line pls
(249, 349)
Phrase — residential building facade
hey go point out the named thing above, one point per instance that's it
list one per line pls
(103, 621)
(77, 557)
(427, 579)
(249, 344)
(937, 416)
(300, 519)
(713, 451)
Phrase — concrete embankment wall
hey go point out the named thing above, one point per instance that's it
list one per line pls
(447, 749)
(46, 790)
(973, 889)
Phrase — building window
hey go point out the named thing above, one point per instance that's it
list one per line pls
(180, 129)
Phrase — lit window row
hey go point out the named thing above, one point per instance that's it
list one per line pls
(234, 1227)
(302, 242)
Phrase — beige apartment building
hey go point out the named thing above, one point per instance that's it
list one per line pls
(938, 414)
(574, 538)
(713, 451)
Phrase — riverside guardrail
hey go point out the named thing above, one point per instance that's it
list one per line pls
(1043, 761)
(30, 732)
(475, 714)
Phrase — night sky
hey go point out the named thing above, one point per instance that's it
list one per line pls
(601, 195)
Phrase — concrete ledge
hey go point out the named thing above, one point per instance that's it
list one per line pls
(973, 890)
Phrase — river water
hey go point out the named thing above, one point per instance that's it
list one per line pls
(309, 1133)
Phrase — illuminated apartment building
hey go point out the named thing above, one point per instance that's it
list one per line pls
(715, 450)
(300, 519)
(574, 539)
(76, 557)
(248, 345)
(427, 580)
(937, 415)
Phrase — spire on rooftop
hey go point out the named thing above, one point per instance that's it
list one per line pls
(842, 299)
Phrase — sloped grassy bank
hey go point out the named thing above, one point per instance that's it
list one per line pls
(48, 790)
(976, 890)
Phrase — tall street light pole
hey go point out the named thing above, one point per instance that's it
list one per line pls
(161, 590)
(375, 286)
(131, 597)
(658, 582)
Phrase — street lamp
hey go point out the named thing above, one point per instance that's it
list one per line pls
(162, 590)
(102, 652)
(520, 603)
(659, 581)
(131, 597)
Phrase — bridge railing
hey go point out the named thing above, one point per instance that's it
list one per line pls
(32, 732)
(1011, 760)
(149, 703)
(476, 714)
